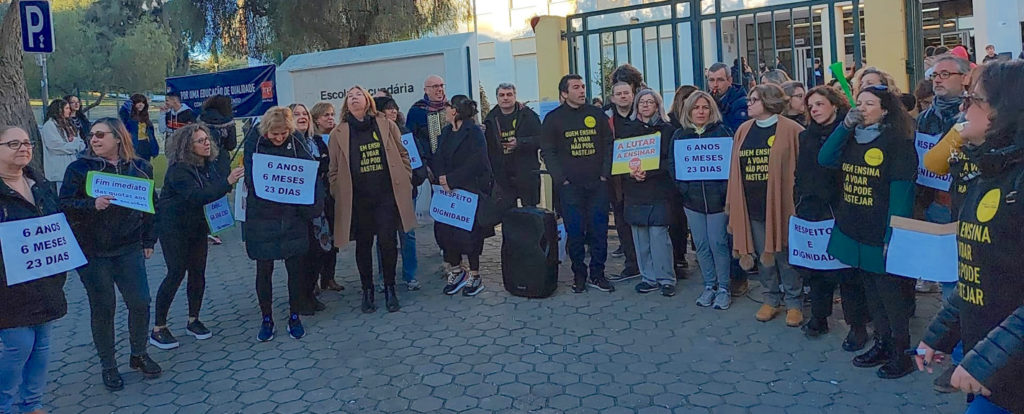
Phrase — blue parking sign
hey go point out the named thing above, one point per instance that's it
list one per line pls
(36, 26)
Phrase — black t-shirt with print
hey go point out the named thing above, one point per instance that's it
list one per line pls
(867, 171)
(370, 176)
(754, 169)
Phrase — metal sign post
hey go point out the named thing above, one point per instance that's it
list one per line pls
(37, 37)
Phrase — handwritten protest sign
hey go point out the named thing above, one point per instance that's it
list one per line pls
(218, 215)
(284, 180)
(922, 250)
(128, 192)
(38, 247)
(808, 244)
(703, 159)
(923, 143)
(456, 208)
(414, 153)
(643, 152)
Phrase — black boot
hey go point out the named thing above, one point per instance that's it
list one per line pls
(391, 299)
(146, 365)
(856, 339)
(899, 365)
(877, 355)
(368, 305)
(815, 327)
(112, 379)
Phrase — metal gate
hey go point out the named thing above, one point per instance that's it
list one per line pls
(673, 41)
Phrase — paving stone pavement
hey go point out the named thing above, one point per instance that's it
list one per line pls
(595, 352)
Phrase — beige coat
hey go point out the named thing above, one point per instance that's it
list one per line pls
(340, 176)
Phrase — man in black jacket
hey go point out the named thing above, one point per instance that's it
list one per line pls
(517, 128)
(576, 146)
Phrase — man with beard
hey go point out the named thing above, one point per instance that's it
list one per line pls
(516, 128)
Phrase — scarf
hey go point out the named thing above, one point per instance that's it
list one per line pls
(774, 119)
(433, 106)
(947, 108)
(365, 125)
(864, 135)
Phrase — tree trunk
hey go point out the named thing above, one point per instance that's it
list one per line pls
(95, 103)
(14, 105)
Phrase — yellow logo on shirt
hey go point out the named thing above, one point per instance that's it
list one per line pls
(375, 137)
(874, 157)
(771, 141)
(514, 122)
(988, 205)
(590, 122)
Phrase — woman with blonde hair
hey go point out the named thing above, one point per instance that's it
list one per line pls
(116, 240)
(193, 180)
(300, 117)
(870, 76)
(370, 178)
(760, 200)
(275, 230)
(704, 203)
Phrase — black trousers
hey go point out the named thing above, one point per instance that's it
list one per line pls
(297, 280)
(625, 235)
(889, 298)
(183, 255)
(851, 289)
(380, 221)
(678, 232)
(454, 258)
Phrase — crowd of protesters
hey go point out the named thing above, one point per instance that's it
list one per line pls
(795, 150)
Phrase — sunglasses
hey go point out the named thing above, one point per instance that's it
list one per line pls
(100, 134)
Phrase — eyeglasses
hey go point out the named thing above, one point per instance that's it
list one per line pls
(944, 74)
(16, 145)
(973, 98)
(440, 85)
(203, 140)
(647, 102)
(100, 134)
(753, 100)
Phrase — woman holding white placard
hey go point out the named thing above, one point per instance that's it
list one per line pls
(704, 202)
(27, 310)
(277, 228)
(817, 192)
(192, 181)
(116, 240)
(371, 180)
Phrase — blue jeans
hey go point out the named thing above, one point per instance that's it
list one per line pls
(407, 244)
(128, 273)
(585, 209)
(982, 405)
(713, 253)
(23, 364)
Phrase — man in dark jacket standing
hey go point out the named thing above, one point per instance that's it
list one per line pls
(426, 117)
(731, 99)
(576, 146)
(517, 128)
(174, 114)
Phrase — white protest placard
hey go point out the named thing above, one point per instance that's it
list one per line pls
(456, 208)
(218, 215)
(922, 250)
(39, 247)
(283, 179)
(241, 192)
(923, 143)
(414, 153)
(128, 192)
(808, 244)
(703, 158)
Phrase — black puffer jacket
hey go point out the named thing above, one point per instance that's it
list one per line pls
(276, 231)
(38, 301)
(707, 196)
(187, 188)
(115, 230)
(817, 187)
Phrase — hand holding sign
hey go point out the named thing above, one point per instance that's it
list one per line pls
(283, 179)
(643, 152)
(120, 190)
(38, 247)
(102, 202)
(703, 159)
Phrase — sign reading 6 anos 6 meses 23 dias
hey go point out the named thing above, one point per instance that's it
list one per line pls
(284, 180)
(38, 247)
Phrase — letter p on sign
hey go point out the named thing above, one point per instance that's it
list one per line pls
(36, 26)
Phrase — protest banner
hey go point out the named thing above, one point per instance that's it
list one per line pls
(218, 215)
(703, 159)
(414, 153)
(252, 90)
(128, 192)
(808, 244)
(456, 208)
(38, 247)
(241, 192)
(922, 250)
(283, 179)
(922, 144)
(643, 152)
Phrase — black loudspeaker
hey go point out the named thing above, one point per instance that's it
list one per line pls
(529, 252)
